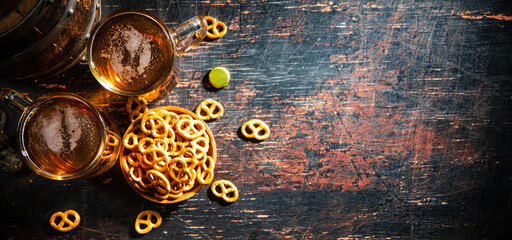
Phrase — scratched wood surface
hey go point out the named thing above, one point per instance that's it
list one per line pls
(389, 119)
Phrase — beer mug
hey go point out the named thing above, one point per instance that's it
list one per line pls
(62, 136)
(133, 53)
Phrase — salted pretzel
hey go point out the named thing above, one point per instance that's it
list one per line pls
(190, 129)
(148, 142)
(155, 158)
(145, 221)
(205, 171)
(65, 224)
(137, 174)
(192, 156)
(216, 29)
(169, 117)
(112, 145)
(136, 107)
(154, 125)
(200, 143)
(145, 185)
(159, 181)
(168, 154)
(225, 189)
(256, 129)
(131, 140)
(209, 109)
(131, 160)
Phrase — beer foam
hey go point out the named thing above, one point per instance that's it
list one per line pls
(74, 130)
(130, 52)
(50, 127)
(61, 128)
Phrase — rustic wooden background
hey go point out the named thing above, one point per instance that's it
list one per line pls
(389, 119)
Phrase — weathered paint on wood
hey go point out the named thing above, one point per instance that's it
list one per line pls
(389, 119)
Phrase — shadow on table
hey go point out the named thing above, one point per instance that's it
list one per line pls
(116, 205)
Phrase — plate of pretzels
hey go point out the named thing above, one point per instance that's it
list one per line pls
(168, 154)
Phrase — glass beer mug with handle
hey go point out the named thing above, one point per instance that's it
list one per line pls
(133, 53)
(63, 136)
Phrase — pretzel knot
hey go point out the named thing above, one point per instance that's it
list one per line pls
(179, 170)
(216, 29)
(111, 146)
(159, 181)
(154, 125)
(131, 141)
(145, 218)
(65, 224)
(148, 142)
(209, 109)
(136, 107)
(190, 129)
(255, 128)
(205, 171)
(156, 158)
(225, 189)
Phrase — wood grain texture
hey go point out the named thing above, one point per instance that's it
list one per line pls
(389, 119)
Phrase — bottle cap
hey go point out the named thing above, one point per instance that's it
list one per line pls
(219, 77)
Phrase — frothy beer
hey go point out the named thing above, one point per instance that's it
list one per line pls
(130, 53)
(63, 136)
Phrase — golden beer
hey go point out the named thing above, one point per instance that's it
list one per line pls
(63, 136)
(131, 53)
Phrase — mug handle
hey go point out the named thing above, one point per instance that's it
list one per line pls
(189, 33)
(15, 99)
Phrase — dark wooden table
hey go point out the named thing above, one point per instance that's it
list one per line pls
(389, 119)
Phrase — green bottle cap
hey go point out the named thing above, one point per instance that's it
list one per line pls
(219, 77)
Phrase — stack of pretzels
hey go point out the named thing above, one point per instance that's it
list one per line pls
(168, 154)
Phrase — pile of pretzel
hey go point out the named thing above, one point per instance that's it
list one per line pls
(168, 154)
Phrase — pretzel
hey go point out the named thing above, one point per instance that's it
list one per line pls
(112, 139)
(185, 116)
(179, 170)
(154, 125)
(155, 157)
(200, 156)
(200, 143)
(225, 189)
(65, 224)
(136, 173)
(144, 185)
(177, 193)
(187, 186)
(190, 156)
(131, 141)
(216, 29)
(209, 109)
(256, 129)
(180, 147)
(169, 117)
(136, 107)
(190, 129)
(131, 160)
(148, 142)
(111, 147)
(172, 147)
(167, 155)
(205, 171)
(159, 181)
(145, 218)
